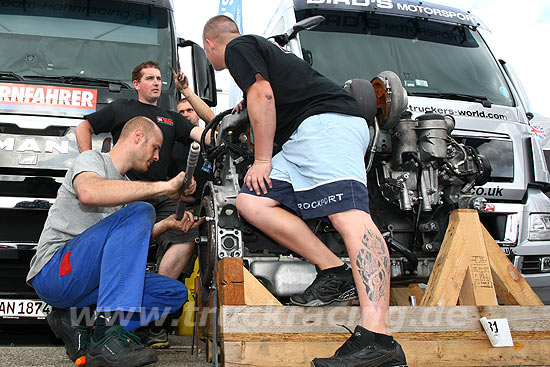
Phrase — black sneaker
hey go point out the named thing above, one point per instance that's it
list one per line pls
(361, 350)
(327, 287)
(152, 339)
(119, 348)
(75, 337)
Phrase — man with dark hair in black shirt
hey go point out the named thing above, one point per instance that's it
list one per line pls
(318, 172)
(147, 82)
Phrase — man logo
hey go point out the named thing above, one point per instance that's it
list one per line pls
(30, 145)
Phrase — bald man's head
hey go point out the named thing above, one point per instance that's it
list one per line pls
(142, 123)
(217, 33)
(139, 144)
(220, 28)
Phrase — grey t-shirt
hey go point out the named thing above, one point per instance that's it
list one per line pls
(68, 217)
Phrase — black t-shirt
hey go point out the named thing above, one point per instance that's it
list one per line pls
(299, 90)
(174, 127)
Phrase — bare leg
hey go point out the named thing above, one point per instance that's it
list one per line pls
(370, 263)
(286, 228)
(175, 258)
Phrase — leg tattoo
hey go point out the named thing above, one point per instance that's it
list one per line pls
(373, 264)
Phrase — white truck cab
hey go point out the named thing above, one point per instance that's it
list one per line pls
(446, 68)
(61, 60)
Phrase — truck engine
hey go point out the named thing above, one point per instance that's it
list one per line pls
(416, 173)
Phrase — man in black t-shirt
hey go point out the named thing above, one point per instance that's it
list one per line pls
(148, 83)
(319, 172)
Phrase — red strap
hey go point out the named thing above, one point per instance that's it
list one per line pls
(65, 267)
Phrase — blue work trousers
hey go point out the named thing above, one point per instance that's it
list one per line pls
(105, 266)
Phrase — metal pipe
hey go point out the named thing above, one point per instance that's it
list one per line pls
(192, 160)
(194, 325)
(374, 144)
(215, 362)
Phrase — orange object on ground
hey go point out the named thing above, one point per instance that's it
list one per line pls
(81, 361)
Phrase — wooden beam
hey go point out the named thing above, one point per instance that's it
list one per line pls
(230, 281)
(294, 320)
(435, 353)
(399, 296)
(292, 336)
(417, 292)
(450, 265)
(510, 286)
(255, 294)
(478, 287)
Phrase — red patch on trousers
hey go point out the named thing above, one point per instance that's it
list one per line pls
(65, 267)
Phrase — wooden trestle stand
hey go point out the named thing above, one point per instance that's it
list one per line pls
(254, 329)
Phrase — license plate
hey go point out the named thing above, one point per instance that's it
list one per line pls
(15, 308)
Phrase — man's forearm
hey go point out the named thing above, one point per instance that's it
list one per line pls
(158, 229)
(261, 111)
(196, 133)
(95, 191)
(201, 108)
(83, 133)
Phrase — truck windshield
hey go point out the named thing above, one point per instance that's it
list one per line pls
(432, 59)
(99, 39)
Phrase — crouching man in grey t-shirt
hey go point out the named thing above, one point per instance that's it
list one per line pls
(93, 251)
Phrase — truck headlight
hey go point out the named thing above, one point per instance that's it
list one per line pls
(539, 227)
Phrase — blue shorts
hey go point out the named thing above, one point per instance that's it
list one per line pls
(321, 168)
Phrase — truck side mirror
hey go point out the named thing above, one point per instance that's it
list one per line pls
(304, 24)
(204, 79)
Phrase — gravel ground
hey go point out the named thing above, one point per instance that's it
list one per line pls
(36, 346)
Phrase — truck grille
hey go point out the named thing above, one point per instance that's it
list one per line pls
(503, 227)
(21, 225)
(495, 225)
(48, 131)
(13, 273)
(531, 265)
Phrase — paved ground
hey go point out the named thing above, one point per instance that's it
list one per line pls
(36, 346)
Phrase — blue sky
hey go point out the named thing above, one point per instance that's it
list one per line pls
(520, 32)
(544, 16)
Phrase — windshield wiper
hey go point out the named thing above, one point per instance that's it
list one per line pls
(81, 79)
(462, 97)
(10, 75)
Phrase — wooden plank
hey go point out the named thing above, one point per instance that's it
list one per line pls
(280, 354)
(327, 320)
(436, 336)
(454, 335)
(399, 296)
(230, 281)
(478, 282)
(419, 353)
(467, 296)
(510, 286)
(417, 292)
(255, 294)
(475, 353)
(450, 265)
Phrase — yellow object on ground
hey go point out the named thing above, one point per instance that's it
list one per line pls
(185, 324)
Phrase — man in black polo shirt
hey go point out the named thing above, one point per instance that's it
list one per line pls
(147, 82)
(318, 172)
